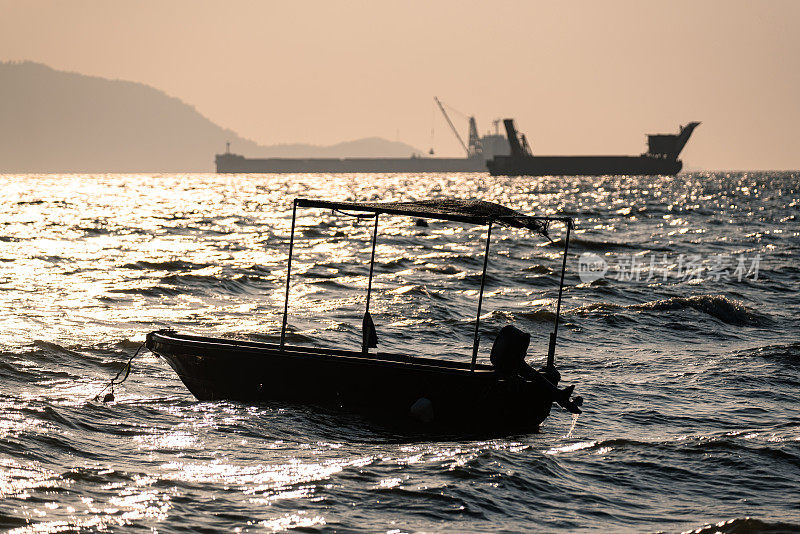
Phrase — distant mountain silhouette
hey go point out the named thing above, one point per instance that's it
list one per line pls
(55, 121)
(368, 147)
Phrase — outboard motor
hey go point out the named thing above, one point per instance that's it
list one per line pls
(508, 358)
(509, 350)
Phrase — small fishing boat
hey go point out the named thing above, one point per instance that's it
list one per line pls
(401, 386)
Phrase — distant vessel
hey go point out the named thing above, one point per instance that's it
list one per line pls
(478, 151)
(660, 158)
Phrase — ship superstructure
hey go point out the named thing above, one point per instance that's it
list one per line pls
(660, 158)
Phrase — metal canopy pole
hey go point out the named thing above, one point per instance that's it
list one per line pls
(476, 341)
(369, 338)
(372, 261)
(288, 274)
(551, 352)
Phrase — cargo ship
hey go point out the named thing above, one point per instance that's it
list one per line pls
(660, 158)
(478, 151)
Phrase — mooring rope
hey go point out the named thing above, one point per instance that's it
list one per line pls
(116, 381)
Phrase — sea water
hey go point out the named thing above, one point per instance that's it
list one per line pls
(680, 330)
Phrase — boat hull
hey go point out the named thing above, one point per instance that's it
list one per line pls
(582, 165)
(382, 385)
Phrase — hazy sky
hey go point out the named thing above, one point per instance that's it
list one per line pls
(579, 77)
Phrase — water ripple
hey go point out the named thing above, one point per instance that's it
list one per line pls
(691, 386)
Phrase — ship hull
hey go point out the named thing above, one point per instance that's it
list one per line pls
(234, 163)
(582, 165)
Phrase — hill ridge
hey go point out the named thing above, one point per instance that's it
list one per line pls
(59, 121)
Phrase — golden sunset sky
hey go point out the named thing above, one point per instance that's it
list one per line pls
(587, 77)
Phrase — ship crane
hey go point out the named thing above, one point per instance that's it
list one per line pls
(455, 131)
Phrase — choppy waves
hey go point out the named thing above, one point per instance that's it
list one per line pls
(747, 525)
(727, 310)
(691, 386)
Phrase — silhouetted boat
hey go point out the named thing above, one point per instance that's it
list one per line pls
(661, 158)
(461, 394)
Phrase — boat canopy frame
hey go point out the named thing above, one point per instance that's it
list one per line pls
(477, 212)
